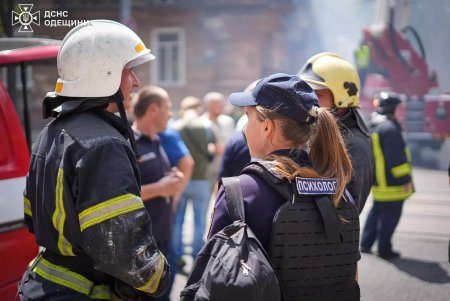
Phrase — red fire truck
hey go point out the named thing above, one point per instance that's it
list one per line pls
(397, 63)
(17, 245)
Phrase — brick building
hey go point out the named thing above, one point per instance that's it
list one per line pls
(200, 45)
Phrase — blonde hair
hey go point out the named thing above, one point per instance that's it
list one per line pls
(190, 102)
(325, 144)
(213, 96)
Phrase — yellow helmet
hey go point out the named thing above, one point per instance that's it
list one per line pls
(329, 70)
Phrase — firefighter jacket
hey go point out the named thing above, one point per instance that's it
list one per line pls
(392, 161)
(362, 56)
(357, 140)
(82, 202)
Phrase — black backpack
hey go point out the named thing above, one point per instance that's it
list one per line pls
(232, 265)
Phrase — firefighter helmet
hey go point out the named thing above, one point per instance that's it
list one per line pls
(329, 70)
(93, 55)
(386, 102)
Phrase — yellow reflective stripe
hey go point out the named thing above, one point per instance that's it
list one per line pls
(379, 160)
(152, 285)
(363, 56)
(408, 154)
(63, 276)
(72, 280)
(401, 170)
(100, 292)
(391, 193)
(27, 206)
(109, 209)
(382, 192)
(59, 216)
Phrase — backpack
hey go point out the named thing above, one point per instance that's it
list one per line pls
(314, 246)
(232, 265)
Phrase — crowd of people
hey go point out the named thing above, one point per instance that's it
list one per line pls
(108, 194)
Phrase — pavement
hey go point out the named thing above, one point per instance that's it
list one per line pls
(422, 236)
(423, 271)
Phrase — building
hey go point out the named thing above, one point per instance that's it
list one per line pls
(200, 45)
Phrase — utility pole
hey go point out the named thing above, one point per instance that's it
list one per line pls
(126, 17)
(125, 11)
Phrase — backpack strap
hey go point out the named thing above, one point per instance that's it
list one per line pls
(234, 198)
(286, 189)
(329, 217)
(278, 183)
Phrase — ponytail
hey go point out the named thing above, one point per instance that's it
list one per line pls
(327, 149)
(329, 154)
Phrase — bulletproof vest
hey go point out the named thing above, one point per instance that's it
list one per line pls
(313, 245)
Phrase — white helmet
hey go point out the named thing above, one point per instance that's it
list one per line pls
(93, 55)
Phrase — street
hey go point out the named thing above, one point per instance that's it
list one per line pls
(423, 270)
(422, 237)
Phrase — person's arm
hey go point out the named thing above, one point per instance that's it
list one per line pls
(166, 187)
(216, 145)
(186, 166)
(179, 156)
(115, 228)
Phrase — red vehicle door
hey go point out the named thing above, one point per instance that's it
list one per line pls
(17, 245)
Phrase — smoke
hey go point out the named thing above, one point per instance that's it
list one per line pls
(324, 25)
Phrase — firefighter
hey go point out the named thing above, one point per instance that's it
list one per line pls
(393, 177)
(362, 59)
(82, 197)
(336, 83)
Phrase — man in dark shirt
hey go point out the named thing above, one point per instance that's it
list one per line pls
(235, 157)
(159, 182)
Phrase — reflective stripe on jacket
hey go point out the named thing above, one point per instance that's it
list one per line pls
(393, 167)
(363, 56)
(82, 202)
(64, 277)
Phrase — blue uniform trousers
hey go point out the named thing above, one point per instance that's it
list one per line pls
(380, 225)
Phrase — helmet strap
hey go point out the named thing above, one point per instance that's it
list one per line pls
(118, 99)
(343, 113)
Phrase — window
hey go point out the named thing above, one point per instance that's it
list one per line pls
(28, 74)
(169, 67)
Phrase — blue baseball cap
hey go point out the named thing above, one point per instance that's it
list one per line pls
(287, 94)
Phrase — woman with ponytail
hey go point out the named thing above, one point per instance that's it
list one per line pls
(296, 141)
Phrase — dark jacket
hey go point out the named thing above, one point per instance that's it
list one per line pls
(260, 202)
(357, 140)
(235, 157)
(392, 160)
(302, 234)
(82, 202)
